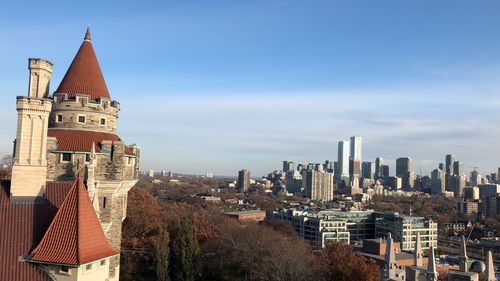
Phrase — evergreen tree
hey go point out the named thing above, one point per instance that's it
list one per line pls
(185, 249)
(161, 257)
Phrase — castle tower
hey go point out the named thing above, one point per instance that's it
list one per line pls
(82, 137)
(82, 100)
(30, 152)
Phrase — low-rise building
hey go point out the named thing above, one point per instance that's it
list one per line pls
(322, 226)
(316, 228)
(247, 216)
(405, 228)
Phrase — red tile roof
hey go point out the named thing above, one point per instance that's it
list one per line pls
(84, 75)
(80, 140)
(22, 226)
(75, 235)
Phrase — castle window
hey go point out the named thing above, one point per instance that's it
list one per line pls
(65, 157)
(104, 202)
(64, 270)
(87, 158)
(81, 118)
(103, 121)
(88, 267)
(103, 262)
(59, 118)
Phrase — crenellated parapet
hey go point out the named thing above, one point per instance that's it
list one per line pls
(82, 112)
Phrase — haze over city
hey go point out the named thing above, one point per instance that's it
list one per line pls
(225, 85)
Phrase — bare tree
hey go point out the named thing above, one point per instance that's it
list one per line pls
(7, 161)
(5, 167)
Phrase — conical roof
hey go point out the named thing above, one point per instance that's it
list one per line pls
(84, 75)
(75, 235)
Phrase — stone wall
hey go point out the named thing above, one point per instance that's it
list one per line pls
(118, 167)
(66, 112)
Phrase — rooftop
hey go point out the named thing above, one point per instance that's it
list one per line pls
(75, 235)
(84, 76)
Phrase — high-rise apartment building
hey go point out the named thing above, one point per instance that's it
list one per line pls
(243, 181)
(318, 184)
(343, 160)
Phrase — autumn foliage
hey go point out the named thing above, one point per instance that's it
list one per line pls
(202, 244)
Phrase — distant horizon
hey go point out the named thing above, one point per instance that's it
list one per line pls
(228, 85)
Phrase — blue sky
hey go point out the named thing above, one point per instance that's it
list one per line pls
(224, 85)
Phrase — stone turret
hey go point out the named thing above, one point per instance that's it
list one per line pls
(82, 100)
(30, 152)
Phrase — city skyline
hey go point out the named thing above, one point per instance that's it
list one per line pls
(226, 86)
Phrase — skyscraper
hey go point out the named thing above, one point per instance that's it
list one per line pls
(368, 170)
(343, 160)
(450, 161)
(437, 179)
(243, 180)
(355, 157)
(384, 171)
(404, 170)
(288, 166)
(379, 161)
(355, 148)
(458, 168)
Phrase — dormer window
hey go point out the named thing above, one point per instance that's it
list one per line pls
(59, 118)
(103, 121)
(81, 119)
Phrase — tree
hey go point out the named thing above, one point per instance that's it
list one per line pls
(5, 167)
(161, 257)
(185, 249)
(254, 252)
(337, 262)
(7, 160)
(141, 234)
(142, 226)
